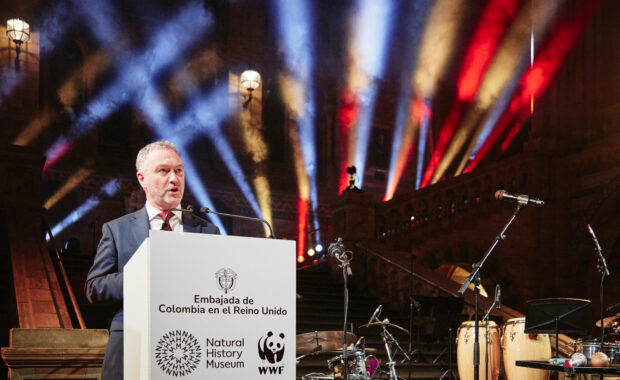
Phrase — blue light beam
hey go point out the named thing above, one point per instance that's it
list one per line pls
(109, 190)
(370, 45)
(136, 70)
(295, 23)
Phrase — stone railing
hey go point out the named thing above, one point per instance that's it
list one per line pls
(457, 196)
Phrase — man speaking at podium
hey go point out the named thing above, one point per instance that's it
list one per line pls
(160, 173)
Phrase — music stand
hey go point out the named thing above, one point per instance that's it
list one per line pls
(557, 315)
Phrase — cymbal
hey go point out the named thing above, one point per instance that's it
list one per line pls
(609, 322)
(321, 341)
(367, 350)
(385, 324)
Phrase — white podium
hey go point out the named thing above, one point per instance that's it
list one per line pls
(200, 306)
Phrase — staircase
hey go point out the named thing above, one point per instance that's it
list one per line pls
(321, 309)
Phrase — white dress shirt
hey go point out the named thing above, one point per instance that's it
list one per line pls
(156, 221)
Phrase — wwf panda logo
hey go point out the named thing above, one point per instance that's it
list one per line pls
(271, 347)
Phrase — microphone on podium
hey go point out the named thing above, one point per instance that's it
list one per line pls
(207, 210)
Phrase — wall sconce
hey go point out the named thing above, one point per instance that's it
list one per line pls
(19, 32)
(250, 80)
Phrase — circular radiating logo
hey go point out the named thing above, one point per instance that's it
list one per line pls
(177, 353)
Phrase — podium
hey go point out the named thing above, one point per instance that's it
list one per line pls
(199, 306)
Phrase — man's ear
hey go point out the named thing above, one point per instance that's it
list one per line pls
(140, 178)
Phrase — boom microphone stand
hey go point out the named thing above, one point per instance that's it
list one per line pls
(475, 277)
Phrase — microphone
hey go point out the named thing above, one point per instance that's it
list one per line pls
(498, 296)
(207, 210)
(335, 249)
(166, 225)
(598, 246)
(501, 195)
(375, 314)
(598, 250)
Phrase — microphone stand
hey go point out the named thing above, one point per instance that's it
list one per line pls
(207, 210)
(345, 260)
(413, 303)
(166, 225)
(486, 350)
(475, 277)
(602, 268)
(410, 314)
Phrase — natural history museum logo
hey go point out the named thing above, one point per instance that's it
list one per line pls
(177, 353)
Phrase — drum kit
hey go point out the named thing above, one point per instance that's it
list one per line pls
(516, 345)
(359, 360)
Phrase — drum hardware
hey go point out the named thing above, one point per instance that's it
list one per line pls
(355, 360)
(475, 278)
(368, 350)
(317, 376)
(609, 322)
(385, 323)
(389, 341)
(321, 341)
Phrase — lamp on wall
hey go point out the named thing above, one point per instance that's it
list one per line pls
(250, 80)
(18, 31)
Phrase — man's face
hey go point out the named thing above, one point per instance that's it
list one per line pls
(163, 179)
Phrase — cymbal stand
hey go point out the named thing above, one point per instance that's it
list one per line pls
(475, 278)
(388, 341)
(298, 359)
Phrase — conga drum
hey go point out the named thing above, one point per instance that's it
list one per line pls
(465, 350)
(517, 345)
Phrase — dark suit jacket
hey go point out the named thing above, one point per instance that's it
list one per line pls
(121, 238)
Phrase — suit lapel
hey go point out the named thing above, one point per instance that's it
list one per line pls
(140, 226)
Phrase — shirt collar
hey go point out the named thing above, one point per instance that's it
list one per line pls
(153, 211)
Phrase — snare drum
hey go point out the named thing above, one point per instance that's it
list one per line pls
(356, 366)
(517, 345)
(610, 349)
(465, 350)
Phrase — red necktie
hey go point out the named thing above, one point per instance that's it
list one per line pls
(166, 225)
